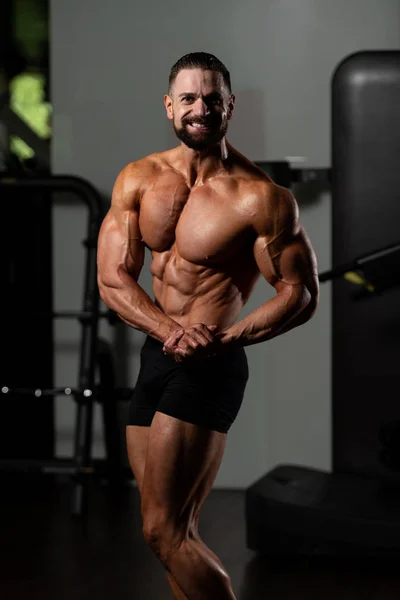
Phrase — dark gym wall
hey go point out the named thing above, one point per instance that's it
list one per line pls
(366, 216)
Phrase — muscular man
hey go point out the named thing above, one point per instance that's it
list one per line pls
(214, 224)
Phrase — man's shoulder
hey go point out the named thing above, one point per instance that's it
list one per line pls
(274, 207)
(254, 183)
(138, 176)
(263, 199)
(147, 167)
(142, 167)
(260, 185)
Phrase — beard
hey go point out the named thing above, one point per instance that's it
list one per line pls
(201, 140)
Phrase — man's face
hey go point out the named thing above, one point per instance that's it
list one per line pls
(200, 107)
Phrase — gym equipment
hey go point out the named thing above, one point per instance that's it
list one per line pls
(94, 354)
(282, 173)
(375, 272)
(366, 214)
(298, 510)
(354, 510)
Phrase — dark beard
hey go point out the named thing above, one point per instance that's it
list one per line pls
(201, 142)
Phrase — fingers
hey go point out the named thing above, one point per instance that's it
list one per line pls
(170, 344)
(197, 340)
(196, 337)
(174, 338)
(202, 333)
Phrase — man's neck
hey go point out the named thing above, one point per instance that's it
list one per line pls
(198, 167)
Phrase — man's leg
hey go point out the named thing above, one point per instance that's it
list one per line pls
(137, 441)
(181, 465)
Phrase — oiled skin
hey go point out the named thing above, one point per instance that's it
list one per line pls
(210, 242)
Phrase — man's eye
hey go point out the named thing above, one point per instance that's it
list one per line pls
(215, 100)
(187, 98)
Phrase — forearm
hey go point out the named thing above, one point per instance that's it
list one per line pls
(135, 307)
(275, 317)
(305, 315)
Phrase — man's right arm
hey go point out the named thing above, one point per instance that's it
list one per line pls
(120, 259)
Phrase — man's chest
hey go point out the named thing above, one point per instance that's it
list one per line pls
(206, 226)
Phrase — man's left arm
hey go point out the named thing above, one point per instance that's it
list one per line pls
(286, 259)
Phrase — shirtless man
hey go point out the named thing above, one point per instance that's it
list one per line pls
(214, 223)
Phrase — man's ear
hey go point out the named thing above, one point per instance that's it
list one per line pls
(231, 106)
(168, 106)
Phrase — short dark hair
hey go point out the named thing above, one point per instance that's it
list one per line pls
(200, 60)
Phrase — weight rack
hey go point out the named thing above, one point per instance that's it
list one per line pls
(93, 354)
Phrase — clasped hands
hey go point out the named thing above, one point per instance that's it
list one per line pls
(197, 341)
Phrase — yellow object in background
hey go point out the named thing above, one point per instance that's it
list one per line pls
(358, 279)
(27, 100)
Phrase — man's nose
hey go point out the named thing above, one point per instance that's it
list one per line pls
(201, 108)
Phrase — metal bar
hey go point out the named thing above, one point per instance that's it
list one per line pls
(379, 254)
(358, 262)
(87, 362)
(118, 394)
(310, 175)
(38, 392)
(61, 183)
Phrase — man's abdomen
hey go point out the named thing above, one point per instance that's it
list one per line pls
(193, 293)
(219, 306)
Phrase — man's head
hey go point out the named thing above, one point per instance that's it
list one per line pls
(199, 101)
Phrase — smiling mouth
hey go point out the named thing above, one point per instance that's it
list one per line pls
(199, 126)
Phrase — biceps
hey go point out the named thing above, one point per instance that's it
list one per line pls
(120, 249)
(290, 263)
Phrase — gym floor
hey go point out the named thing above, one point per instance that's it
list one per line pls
(46, 554)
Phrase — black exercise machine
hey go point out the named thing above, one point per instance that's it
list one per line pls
(355, 509)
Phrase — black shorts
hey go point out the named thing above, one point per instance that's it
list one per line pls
(205, 392)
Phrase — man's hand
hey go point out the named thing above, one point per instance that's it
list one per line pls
(196, 341)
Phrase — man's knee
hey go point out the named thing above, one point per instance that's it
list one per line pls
(162, 536)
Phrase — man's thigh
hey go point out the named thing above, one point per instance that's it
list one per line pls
(136, 442)
(182, 463)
